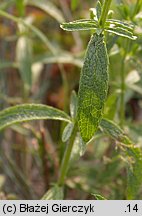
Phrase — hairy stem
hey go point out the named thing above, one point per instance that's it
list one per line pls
(104, 14)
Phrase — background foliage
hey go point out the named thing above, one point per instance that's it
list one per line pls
(40, 63)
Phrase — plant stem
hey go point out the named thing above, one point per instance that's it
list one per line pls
(104, 14)
(66, 158)
(66, 102)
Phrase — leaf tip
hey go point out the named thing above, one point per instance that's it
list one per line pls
(134, 37)
(61, 26)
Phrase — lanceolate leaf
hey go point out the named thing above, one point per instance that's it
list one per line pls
(67, 132)
(27, 112)
(79, 148)
(119, 23)
(133, 152)
(113, 26)
(99, 9)
(121, 32)
(55, 193)
(114, 131)
(79, 25)
(73, 104)
(93, 87)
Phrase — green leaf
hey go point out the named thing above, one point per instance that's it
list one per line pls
(121, 32)
(136, 88)
(73, 105)
(134, 153)
(75, 154)
(93, 87)
(98, 197)
(83, 146)
(27, 112)
(114, 131)
(67, 132)
(117, 23)
(48, 7)
(79, 25)
(55, 193)
(132, 77)
(79, 148)
(93, 13)
(99, 9)
(134, 173)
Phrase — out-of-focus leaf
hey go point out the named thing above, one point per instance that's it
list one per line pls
(73, 105)
(83, 147)
(36, 71)
(55, 193)
(67, 132)
(139, 15)
(24, 59)
(136, 88)
(79, 25)
(99, 9)
(63, 57)
(27, 112)
(132, 77)
(21, 7)
(135, 158)
(79, 148)
(48, 7)
(75, 154)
